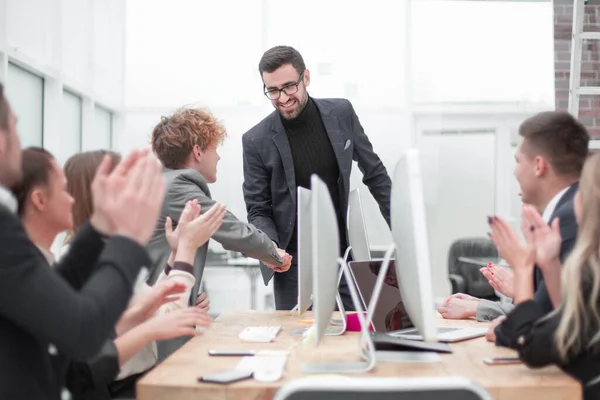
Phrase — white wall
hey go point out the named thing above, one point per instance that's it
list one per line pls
(404, 65)
(75, 50)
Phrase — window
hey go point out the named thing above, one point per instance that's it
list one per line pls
(70, 138)
(25, 93)
(102, 137)
(459, 187)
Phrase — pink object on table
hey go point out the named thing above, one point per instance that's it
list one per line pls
(353, 323)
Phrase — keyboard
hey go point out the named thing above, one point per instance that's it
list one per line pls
(413, 331)
(259, 334)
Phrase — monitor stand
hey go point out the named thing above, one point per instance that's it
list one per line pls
(422, 353)
(367, 348)
(338, 325)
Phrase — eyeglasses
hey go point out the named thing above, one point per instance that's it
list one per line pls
(274, 94)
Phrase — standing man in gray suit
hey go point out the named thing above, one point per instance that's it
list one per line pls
(303, 136)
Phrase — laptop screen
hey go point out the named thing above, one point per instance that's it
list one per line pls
(365, 275)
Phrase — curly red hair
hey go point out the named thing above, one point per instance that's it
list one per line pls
(174, 137)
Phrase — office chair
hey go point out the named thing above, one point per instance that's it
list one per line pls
(464, 277)
(453, 388)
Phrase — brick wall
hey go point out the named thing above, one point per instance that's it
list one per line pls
(589, 106)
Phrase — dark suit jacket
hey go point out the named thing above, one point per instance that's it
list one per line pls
(527, 331)
(39, 307)
(269, 179)
(565, 211)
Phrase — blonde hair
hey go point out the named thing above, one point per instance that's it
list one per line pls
(581, 273)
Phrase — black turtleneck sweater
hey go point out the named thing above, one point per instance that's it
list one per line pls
(312, 153)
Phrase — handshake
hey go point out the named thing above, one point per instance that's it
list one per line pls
(287, 260)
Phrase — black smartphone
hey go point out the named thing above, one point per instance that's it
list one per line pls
(226, 376)
(234, 353)
(501, 360)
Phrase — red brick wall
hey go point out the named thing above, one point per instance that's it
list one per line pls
(589, 106)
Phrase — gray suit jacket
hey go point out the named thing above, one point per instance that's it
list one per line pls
(489, 310)
(235, 235)
(269, 178)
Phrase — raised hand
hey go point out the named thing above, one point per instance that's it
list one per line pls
(517, 253)
(190, 211)
(500, 278)
(100, 218)
(194, 231)
(546, 239)
(127, 201)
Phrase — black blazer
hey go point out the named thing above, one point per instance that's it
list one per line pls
(41, 313)
(533, 338)
(565, 211)
(269, 179)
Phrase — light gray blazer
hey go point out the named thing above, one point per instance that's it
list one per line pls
(235, 235)
(489, 310)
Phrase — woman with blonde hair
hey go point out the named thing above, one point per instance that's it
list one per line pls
(570, 335)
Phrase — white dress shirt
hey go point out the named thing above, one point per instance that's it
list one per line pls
(8, 200)
(549, 210)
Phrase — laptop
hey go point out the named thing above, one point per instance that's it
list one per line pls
(365, 273)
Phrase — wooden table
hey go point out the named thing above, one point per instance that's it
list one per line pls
(176, 377)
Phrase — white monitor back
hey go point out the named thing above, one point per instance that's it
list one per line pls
(409, 230)
(357, 229)
(325, 246)
(305, 270)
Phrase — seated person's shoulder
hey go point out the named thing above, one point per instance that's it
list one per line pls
(184, 177)
(566, 215)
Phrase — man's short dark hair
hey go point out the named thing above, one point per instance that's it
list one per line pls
(560, 138)
(36, 167)
(277, 56)
(3, 110)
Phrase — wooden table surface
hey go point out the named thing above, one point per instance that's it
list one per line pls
(176, 378)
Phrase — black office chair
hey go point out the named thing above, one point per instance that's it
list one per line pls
(382, 389)
(465, 277)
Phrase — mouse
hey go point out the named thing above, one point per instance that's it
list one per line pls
(268, 374)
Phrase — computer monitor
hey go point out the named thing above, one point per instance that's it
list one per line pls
(412, 266)
(357, 229)
(409, 230)
(325, 246)
(326, 259)
(305, 270)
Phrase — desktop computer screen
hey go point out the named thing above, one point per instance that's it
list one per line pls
(413, 270)
(325, 249)
(409, 230)
(305, 270)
